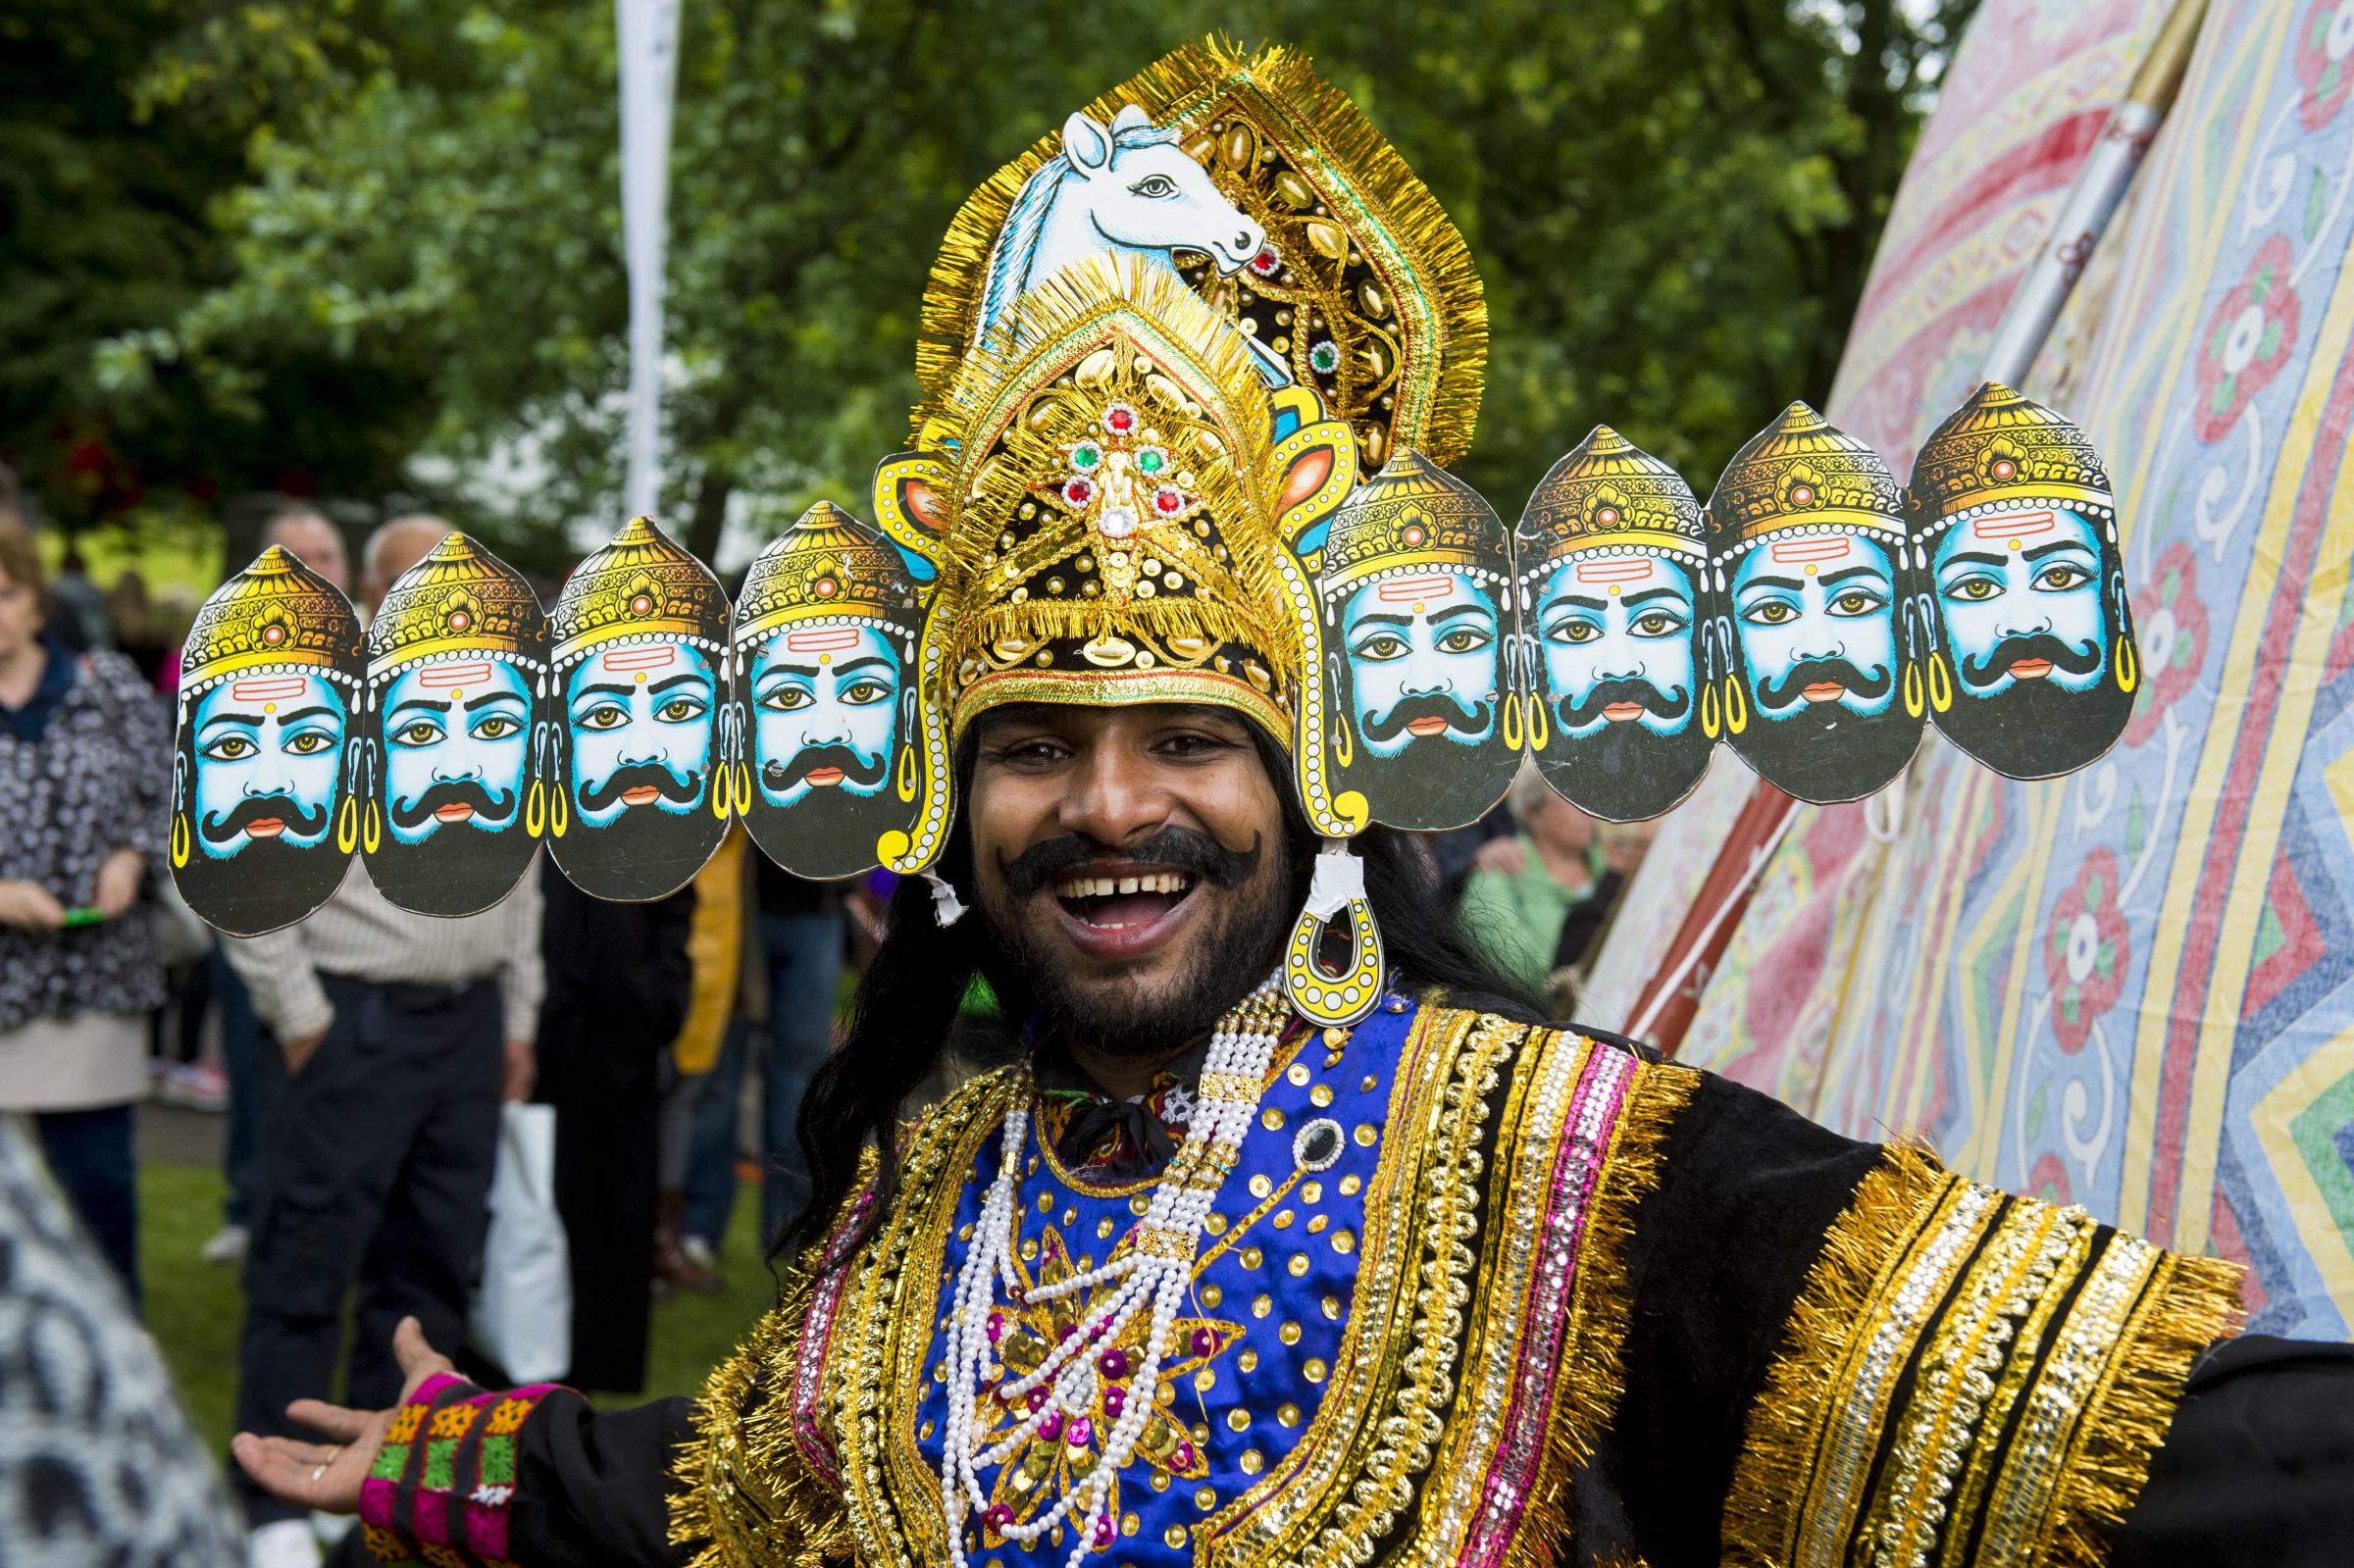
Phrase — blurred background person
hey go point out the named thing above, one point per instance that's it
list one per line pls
(794, 976)
(135, 630)
(618, 982)
(399, 1034)
(249, 1053)
(1539, 900)
(78, 617)
(723, 947)
(85, 779)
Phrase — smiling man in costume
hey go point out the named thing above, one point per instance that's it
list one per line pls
(1183, 1279)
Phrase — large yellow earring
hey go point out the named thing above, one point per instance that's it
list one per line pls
(179, 838)
(1916, 699)
(1315, 993)
(1540, 725)
(1513, 735)
(1941, 682)
(1736, 707)
(373, 835)
(347, 825)
(744, 790)
(1712, 719)
(2126, 666)
(721, 786)
(534, 809)
(559, 809)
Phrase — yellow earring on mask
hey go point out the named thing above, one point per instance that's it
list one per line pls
(373, 835)
(1712, 719)
(179, 838)
(559, 812)
(2126, 666)
(1916, 697)
(1941, 682)
(1514, 734)
(1736, 707)
(347, 825)
(534, 809)
(1316, 994)
(744, 790)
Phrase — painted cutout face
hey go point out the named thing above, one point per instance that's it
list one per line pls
(457, 742)
(1815, 632)
(1422, 659)
(640, 719)
(268, 759)
(825, 705)
(2022, 599)
(1615, 639)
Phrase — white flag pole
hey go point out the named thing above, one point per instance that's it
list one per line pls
(649, 72)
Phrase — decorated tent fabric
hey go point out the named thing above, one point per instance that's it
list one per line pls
(2020, 106)
(2130, 989)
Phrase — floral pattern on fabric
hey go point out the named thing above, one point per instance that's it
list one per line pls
(439, 1490)
(2085, 951)
(2251, 336)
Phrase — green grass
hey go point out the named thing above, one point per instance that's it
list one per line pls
(195, 1307)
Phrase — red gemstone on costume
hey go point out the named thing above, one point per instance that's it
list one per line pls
(1205, 1342)
(1266, 262)
(1168, 502)
(1122, 420)
(1051, 1428)
(1079, 491)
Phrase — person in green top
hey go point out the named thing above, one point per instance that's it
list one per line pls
(1537, 901)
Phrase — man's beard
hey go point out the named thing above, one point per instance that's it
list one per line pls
(646, 852)
(2037, 730)
(1820, 751)
(263, 886)
(1234, 952)
(828, 831)
(460, 868)
(1626, 772)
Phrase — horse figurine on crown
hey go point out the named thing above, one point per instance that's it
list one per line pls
(1126, 186)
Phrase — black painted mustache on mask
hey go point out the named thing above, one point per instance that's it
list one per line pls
(1811, 670)
(1666, 704)
(1197, 854)
(255, 808)
(454, 793)
(780, 776)
(1470, 719)
(2035, 645)
(637, 776)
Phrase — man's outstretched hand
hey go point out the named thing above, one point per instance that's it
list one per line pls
(327, 1476)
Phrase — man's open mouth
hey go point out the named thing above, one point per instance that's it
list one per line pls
(1824, 691)
(1122, 901)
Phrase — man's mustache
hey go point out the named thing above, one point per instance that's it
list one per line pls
(1812, 672)
(1196, 853)
(1666, 704)
(258, 808)
(454, 793)
(780, 776)
(2035, 645)
(639, 776)
(1471, 718)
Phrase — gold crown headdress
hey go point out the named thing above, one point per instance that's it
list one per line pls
(1608, 493)
(1803, 474)
(1361, 288)
(639, 585)
(460, 602)
(1999, 451)
(278, 616)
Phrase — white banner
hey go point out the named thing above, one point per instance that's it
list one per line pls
(649, 74)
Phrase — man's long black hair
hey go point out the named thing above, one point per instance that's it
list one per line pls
(907, 1005)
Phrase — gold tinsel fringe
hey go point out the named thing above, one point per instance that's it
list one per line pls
(1863, 1247)
(1317, 114)
(1592, 1377)
(744, 1411)
(2188, 1304)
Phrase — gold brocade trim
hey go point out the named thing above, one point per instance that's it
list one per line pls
(1592, 1377)
(2187, 1305)
(1125, 689)
(742, 1489)
(1804, 1388)
(1274, 1520)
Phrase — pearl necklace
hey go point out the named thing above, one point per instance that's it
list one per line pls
(1152, 1275)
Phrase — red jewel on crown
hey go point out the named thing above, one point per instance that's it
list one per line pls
(1607, 517)
(1269, 262)
(1120, 420)
(826, 587)
(274, 634)
(2005, 469)
(1078, 491)
(459, 619)
(1802, 495)
(1168, 502)
(641, 604)
(1413, 533)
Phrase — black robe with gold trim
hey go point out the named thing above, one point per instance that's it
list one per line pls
(1590, 1307)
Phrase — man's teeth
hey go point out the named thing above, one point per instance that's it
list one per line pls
(1162, 881)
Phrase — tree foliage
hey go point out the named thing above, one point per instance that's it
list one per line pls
(400, 236)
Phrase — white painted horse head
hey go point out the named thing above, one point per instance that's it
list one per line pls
(1126, 186)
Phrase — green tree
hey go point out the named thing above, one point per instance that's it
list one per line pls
(1672, 202)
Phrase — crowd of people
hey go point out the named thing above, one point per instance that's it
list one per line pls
(361, 1058)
